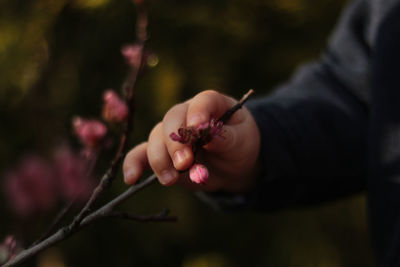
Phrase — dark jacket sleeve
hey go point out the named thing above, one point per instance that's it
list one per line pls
(384, 141)
(314, 128)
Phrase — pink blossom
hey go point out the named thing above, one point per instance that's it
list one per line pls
(114, 108)
(10, 242)
(8, 248)
(198, 173)
(200, 135)
(74, 180)
(132, 54)
(89, 132)
(30, 187)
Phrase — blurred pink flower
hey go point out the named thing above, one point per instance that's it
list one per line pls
(198, 173)
(132, 54)
(89, 132)
(30, 187)
(74, 181)
(114, 108)
(8, 248)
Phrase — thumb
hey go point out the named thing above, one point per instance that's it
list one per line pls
(224, 142)
(212, 105)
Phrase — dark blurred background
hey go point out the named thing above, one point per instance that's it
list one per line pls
(58, 56)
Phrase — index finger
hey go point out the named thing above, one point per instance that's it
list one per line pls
(181, 154)
(210, 105)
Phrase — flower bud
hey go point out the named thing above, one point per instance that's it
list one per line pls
(114, 108)
(132, 54)
(200, 135)
(89, 132)
(10, 242)
(199, 174)
(8, 248)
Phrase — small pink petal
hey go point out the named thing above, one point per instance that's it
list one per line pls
(175, 137)
(203, 126)
(181, 131)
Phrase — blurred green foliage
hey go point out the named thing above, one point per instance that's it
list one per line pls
(58, 56)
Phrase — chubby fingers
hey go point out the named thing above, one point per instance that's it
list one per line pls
(165, 156)
(135, 163)
(159, 159)
(211, 104)
(181, 154)
(152, 154)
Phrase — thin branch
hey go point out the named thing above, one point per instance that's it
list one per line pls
(111, 173)
(67, 231)
(109, 207)
(129, 86)
(226, 116)
(159, 217)
(55, 222)
(107, 210)
(91, 162)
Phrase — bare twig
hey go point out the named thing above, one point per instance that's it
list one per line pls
(91, 162)
(67, 231)
(55, 222)
(109, 207)
(160, 217)
(108, 210)
(225, 117)
(128, 88)
(111, 173)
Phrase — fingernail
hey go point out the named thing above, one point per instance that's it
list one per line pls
(167, 176)
(194, 120)
(180, 156)
(129, 174)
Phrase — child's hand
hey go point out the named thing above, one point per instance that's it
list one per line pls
(231, 159)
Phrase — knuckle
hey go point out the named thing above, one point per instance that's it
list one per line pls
(130, 154)
(156, 157)
(172, 146)
(136, 151)
(155, 131)
(156, 161)
(129, 158)
(172, 112)
(209, 94)
(134, 155)
(125, 165)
